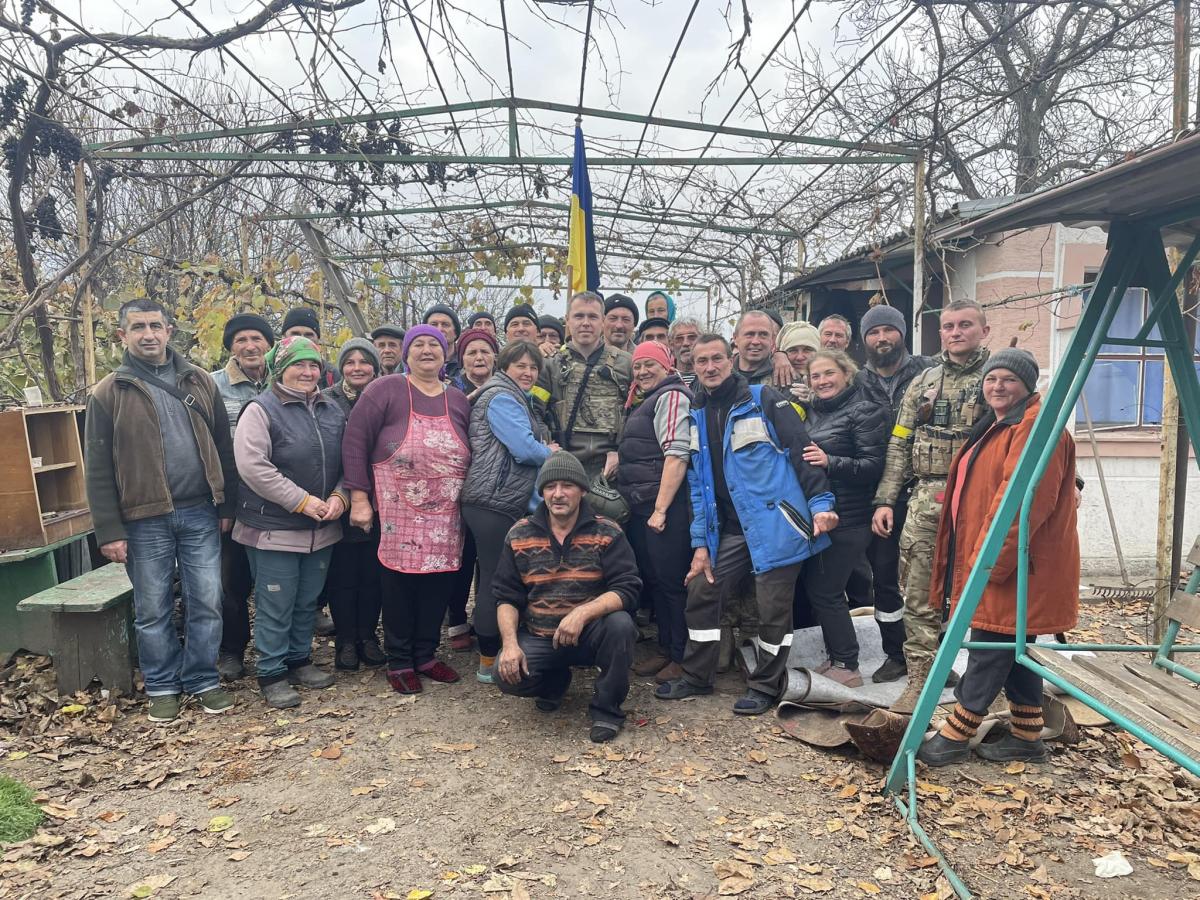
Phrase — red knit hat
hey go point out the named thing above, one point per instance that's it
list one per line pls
(476, 334)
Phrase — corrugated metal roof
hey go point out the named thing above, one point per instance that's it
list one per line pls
(1162, 184)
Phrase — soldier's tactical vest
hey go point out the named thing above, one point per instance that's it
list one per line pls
(951, 403)
(602, 408)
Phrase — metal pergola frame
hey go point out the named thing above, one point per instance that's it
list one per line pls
(173, 148)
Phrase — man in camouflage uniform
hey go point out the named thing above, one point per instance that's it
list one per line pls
(583, 388)
(937, 412)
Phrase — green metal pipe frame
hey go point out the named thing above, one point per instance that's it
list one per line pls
(527, 204)
(471, 159)
(1135, 250)
(512, 104)
(378, 254)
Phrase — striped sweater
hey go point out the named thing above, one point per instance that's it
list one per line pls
(545, 580)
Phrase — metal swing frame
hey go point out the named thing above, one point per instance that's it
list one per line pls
(1136, 256)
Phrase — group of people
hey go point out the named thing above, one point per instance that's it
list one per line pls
(584, 475)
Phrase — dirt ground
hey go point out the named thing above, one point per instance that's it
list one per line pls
(461, 792)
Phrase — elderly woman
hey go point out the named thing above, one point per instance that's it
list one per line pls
(290, 500)
(509, 443)
(849, 441)
(659, 305)
(477, 349)
(406, 456)
(979, 476)
(355, 576)
(653, 459)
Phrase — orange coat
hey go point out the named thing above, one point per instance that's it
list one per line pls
(1053, 538)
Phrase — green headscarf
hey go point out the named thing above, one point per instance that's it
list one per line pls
(288, 351)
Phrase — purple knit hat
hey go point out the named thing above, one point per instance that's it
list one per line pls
(422, 331)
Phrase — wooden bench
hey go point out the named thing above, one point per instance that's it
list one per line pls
(91, 629)
(1165, 704)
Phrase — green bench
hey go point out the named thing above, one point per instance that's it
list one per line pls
(91, 629)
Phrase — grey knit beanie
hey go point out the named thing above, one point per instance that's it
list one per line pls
(367, 348)
(561, 466)
(1020, 362)
(883, 315)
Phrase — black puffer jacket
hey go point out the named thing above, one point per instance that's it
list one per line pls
(852, 430)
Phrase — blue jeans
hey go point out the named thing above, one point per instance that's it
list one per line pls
(190, 537)
(286, 589)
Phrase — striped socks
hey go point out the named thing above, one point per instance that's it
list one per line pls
(961, 725)
(1026, 721)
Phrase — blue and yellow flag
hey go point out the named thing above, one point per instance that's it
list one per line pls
(581, 247)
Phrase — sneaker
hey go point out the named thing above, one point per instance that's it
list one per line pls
(547, 704)
(1011, 748)
(486, 674)
(942, 751)
(369, 653)
(754, 703)
(440, 672)
(230, 666)
(310, 676)
(891, 670)
(843, 675)
(602, 732)
(215, 700)
(681, 689)
(324, 624)
(404, 681)
(345, 657)
(164, 708)
(280, 695)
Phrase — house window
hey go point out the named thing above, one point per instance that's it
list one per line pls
(1124, 388)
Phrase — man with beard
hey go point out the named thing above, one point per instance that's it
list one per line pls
(889, 370)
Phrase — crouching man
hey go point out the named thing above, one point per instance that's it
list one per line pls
(565, 589)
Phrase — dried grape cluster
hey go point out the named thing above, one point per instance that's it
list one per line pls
(50, 140)
(10, 99)
(27, 11)
(44, 220)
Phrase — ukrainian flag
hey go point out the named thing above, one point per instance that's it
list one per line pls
(581, 247)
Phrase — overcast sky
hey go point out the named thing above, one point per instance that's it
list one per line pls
(625, 65)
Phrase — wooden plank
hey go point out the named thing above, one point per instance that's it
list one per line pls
(1153, 722)
(1116, 672)
(1184, 608)
(94, 591)
(1181, 689)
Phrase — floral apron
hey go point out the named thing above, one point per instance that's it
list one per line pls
(417, 490)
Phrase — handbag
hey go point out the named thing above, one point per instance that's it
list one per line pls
(607, 500)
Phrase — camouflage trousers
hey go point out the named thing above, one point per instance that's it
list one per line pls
(922, 623)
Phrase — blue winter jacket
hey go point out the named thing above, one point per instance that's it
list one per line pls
(771, 504)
